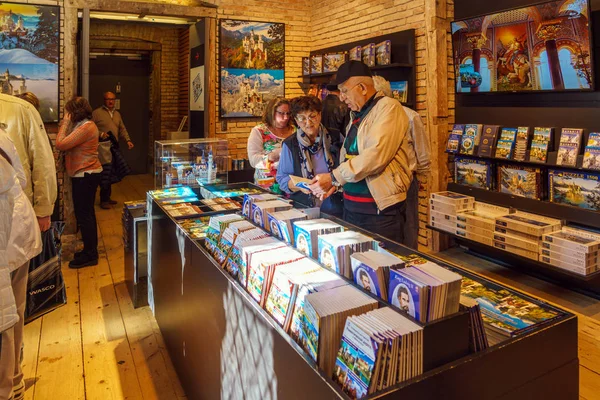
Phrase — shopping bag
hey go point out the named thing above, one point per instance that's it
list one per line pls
(45, 286)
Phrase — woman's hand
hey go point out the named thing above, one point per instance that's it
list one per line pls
(274, 155)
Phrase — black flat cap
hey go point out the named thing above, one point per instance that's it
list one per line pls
(349, 69)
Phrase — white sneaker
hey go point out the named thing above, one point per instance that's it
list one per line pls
(19, 391)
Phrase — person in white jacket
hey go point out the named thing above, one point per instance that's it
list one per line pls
(24, 243)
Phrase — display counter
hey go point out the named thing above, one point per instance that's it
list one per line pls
(224, 345)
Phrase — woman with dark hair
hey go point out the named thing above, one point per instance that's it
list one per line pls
(307, 153)
(264, 142)
(78, 138)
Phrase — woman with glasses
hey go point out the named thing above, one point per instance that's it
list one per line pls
(307, 153)
(264, 142)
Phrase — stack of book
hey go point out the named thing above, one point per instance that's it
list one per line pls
(470, 139)
(521, 233)
(261, 209)
(323, 318)
(195, 227)
(183, 210)
(568, 149)
(249, 243)
(306, 234)
(479, 225)
(444, 208)
(216, 227)
(426, 291)
(540, 145)
(504, 314)
(477, 337)
(573, 249)
(506, 143)
(221, 204)
(261, 267)
(371, 270)
(221, 252)
(455, 138)
(488, 140)
(591, 155)
(521, 143)
(335, 250)
(250, 199)
(281, 223)
(378, 350)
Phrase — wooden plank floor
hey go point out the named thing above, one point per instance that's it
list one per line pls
(98, 346)
(586, 308)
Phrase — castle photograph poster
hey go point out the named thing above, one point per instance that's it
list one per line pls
(251, 64)
(29, 53)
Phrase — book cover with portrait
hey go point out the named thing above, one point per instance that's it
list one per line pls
(365, 277)
(404, 293)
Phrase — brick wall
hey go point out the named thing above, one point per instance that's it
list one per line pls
(296, 16)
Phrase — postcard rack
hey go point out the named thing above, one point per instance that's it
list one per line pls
(222, 343)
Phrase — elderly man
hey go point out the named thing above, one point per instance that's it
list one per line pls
(374, 168)
(108, 119)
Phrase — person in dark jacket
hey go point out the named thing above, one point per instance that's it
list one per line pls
(335, 116)
(307, 153)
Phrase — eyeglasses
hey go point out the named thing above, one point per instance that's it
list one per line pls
(344, 92)
(303, 118)
(288, 114)
(110, 99)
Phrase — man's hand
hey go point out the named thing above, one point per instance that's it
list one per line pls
(103, 135)
(130, 144)
(329, 193)
(321, 184)
(44, 223)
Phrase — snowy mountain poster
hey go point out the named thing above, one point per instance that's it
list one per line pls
(29, 54)
(251, 61)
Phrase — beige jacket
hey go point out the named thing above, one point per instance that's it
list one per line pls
(24, 126)
(107, 123)
(384, 157)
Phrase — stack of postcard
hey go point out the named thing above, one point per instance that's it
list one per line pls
(335, 250)
(287, 280)
(520, 233)
(505, 314)
(444, 207)
(426, 292)
(250, 199)
(576, 250)
(221, 252)
(196, 228)
(306, 234)
(261, 209)
(281, 223)
(521, 143)
(216, 227)
(262, 265)
(371, 270)
(479, 225)
(221, 204)
(183, 210)
(249, 243)
(378, 350)
(477, 338)
(323, 318)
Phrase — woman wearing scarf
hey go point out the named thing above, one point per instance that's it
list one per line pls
(307, 153)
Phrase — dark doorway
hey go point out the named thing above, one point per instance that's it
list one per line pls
(133, 76)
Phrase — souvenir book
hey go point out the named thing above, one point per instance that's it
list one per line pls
(455, 138)
(281, 223)
(470, 139)
(183, 210)
(409, 294)
(300, 182)
(228, 238)
(538, 152)
(249, 199)
(316, 64)
(399, 90)
(305, 66)
(521, 143)
(368, 54)
(505, 314)
(323, 320)
(260, 211)
(306, 234)
(234, 261)
(355, 53)
(568, 149)
(579, 189)
(216, 226)
(470, 172)
(504, 149)
(244, 249)
(336, 248)
(520, 181)
(195, 228)
(478, 339)
(383, 51)
(371, 270)
(591, 155)
(488, 140)
(332, 61)
(541, 134)
(508, 134)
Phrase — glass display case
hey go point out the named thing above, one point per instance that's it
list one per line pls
(190, 162)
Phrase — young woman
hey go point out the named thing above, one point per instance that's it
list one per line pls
(264, 142)
(307, 153)
(78, 138)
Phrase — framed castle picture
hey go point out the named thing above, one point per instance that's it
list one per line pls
(29, 54)
(251, 66)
